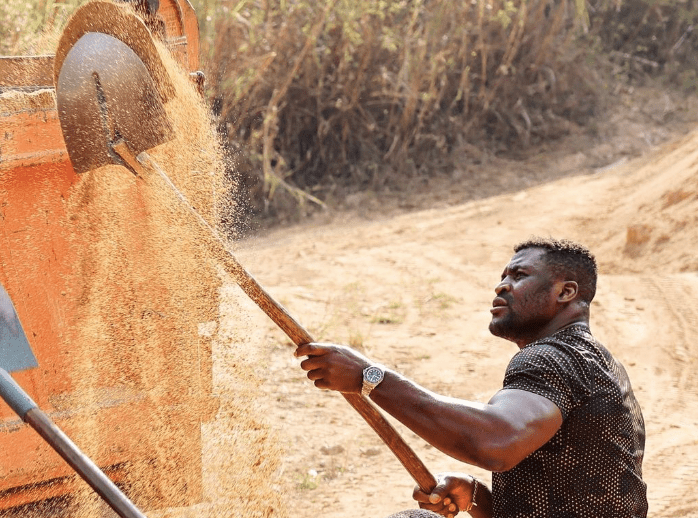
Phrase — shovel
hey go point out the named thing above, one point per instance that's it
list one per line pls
(94, 88)
(16, 355)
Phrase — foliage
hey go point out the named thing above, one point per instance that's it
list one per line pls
(32, 26)
(317, 96)
(650, 37)
(315, 99)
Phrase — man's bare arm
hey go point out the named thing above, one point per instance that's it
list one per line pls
(495, 436)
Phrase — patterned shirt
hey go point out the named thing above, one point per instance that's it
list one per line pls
(592, 466)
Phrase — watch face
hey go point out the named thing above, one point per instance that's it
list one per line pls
(373, 375)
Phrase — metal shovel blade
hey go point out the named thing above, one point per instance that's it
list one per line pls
(15, 352)
(104, 93)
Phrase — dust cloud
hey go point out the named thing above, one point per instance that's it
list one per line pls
(146, 333)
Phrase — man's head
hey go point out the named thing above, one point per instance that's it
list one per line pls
(547, 284)
(568, 259)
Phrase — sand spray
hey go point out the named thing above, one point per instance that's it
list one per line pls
(146, 313)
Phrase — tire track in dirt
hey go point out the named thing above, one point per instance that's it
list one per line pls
(671, 465)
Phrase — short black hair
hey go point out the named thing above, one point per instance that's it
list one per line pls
(568, 260)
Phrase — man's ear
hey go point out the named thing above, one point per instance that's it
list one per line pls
(568, 292)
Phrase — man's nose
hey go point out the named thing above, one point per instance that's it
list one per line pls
(502, 286)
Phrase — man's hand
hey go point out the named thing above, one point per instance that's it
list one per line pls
(333, 367)
(453, 493)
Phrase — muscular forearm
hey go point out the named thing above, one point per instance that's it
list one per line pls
(495, 436)
(468, 431)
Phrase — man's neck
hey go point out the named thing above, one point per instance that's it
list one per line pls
(553, 327)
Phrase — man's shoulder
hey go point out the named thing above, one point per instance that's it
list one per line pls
(571, 351)
(575, 339)
(562, 367)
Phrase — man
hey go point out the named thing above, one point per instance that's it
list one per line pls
(564, 437)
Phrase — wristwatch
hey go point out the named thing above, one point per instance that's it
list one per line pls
(373, 375)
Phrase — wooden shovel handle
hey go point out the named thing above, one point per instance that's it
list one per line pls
(297, 333)
(144, 167)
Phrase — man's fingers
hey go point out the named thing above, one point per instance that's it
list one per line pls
(315, 374)
(439, 493)
(437, 501)
(419, 495)
(312, 349)
(304, 350)
(312, 363)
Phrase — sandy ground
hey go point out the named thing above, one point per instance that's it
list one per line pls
(408, 279)
(413, 291)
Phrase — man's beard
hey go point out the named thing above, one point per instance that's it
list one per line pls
(513, 328)
(506, 328)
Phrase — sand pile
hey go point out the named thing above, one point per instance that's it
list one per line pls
(653, 212)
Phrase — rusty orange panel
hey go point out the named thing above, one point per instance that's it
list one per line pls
(182, 32)
(30, 132)
(39, 251)
(33, 260)
(120, 435)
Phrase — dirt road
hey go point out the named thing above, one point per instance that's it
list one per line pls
(413, 292)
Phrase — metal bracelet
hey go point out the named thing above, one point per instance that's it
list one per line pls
(472, 499)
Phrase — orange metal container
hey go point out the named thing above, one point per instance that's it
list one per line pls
(40, 252)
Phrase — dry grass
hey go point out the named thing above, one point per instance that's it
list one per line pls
(32, 26)
(321, 96)
(650, 37)
(317, 99)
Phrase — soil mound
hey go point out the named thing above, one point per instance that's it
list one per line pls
(652, 212)
(413, 291)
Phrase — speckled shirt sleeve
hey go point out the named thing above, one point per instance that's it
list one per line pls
(552, 373)
(592, 466)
